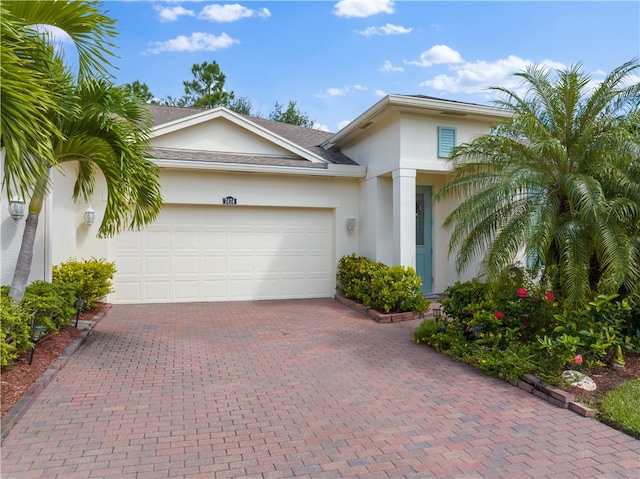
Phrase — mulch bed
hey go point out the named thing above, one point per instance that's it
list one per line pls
(17, 378)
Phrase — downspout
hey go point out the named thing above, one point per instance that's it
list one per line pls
(48, 242)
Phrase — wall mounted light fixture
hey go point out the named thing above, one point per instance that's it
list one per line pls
(351, 223)
(89, 216)
(17, 208)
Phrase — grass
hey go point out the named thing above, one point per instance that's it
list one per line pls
(621, 406)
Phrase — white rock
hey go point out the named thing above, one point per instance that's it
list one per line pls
(579, 380)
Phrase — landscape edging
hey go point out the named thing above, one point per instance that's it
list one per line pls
(377, 315)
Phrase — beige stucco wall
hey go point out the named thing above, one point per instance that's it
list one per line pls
(71, 237)
(406, 145)
(219, 134)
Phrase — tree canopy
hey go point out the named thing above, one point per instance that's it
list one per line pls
(207, 90)
(559, 181)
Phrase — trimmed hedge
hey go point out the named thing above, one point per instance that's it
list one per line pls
(388, 289)
(92, 278)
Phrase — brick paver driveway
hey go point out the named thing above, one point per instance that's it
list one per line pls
(291, 388)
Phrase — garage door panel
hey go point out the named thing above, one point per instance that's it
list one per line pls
(209, 253)
(156, 265)
(158, 240)
(157, 291)
(187, 290)
(187, 264)
(187, 240)
(214, 264)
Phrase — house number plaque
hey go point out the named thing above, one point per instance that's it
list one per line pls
(229, 200)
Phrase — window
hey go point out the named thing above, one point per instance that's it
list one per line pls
(446, 141)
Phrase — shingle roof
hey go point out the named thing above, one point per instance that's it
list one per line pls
(219, 157)
(307, 138)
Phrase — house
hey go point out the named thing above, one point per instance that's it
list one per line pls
(256, 209)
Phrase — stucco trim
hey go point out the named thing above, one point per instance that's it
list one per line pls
(344, 171)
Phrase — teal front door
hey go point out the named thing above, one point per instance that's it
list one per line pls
(423, 237)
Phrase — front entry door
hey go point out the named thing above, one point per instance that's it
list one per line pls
(423, 237)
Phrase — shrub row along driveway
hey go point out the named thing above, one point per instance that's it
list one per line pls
(303, 388)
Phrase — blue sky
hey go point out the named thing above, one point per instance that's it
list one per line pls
(336, 59)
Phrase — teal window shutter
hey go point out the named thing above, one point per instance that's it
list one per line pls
(446, 141)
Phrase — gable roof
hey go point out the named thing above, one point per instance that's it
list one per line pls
(307, 139)
(392, 105)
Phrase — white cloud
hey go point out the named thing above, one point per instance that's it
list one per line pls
(380, 93)
(388, 67)
(196, 42)
(476, 77)
(320, 126)
(362, 8)
(342, 124)
(332, 92)
(231, 13)
(387, 29)
(435, 55)
(171, 14)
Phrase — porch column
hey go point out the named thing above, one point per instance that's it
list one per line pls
(404, 217)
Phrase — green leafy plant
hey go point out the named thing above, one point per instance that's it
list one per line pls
(595, 334)
(50, 304)
(380, 287)
(92, 278)
(396, 289)
(354, 277)
(15, 329)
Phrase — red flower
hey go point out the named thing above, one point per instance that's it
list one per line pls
(549, 296)
(470, 311)
(522, 292)
(577, 359)
(499, 315)
(526, 324)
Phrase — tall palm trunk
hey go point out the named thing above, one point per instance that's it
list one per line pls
(25, 257)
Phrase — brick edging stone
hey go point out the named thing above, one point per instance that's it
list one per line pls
(10, 419)
(552, 394)
(378, 316)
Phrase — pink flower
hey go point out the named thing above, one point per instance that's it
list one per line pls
(577, 359)
(549, 296)
(499, 315)
(522, 292)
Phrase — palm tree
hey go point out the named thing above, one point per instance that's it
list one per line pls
(105, 128)
(26, 94)
(87, 120)
(559, 181)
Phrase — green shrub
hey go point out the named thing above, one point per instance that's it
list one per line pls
(396, 289)
(15, 329)
(92, 278)
(50, 304)
(593, 335)
(621, 407)
(354, 277)
(380, 287)
(461, 297)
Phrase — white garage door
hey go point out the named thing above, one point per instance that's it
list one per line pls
(227, 253)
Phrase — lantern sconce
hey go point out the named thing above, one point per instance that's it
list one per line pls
(17, 208)
(351, 223)
(89, 216)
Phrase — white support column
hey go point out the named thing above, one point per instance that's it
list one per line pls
(404, 217)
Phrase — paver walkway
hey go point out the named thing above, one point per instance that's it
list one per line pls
(303, 388)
